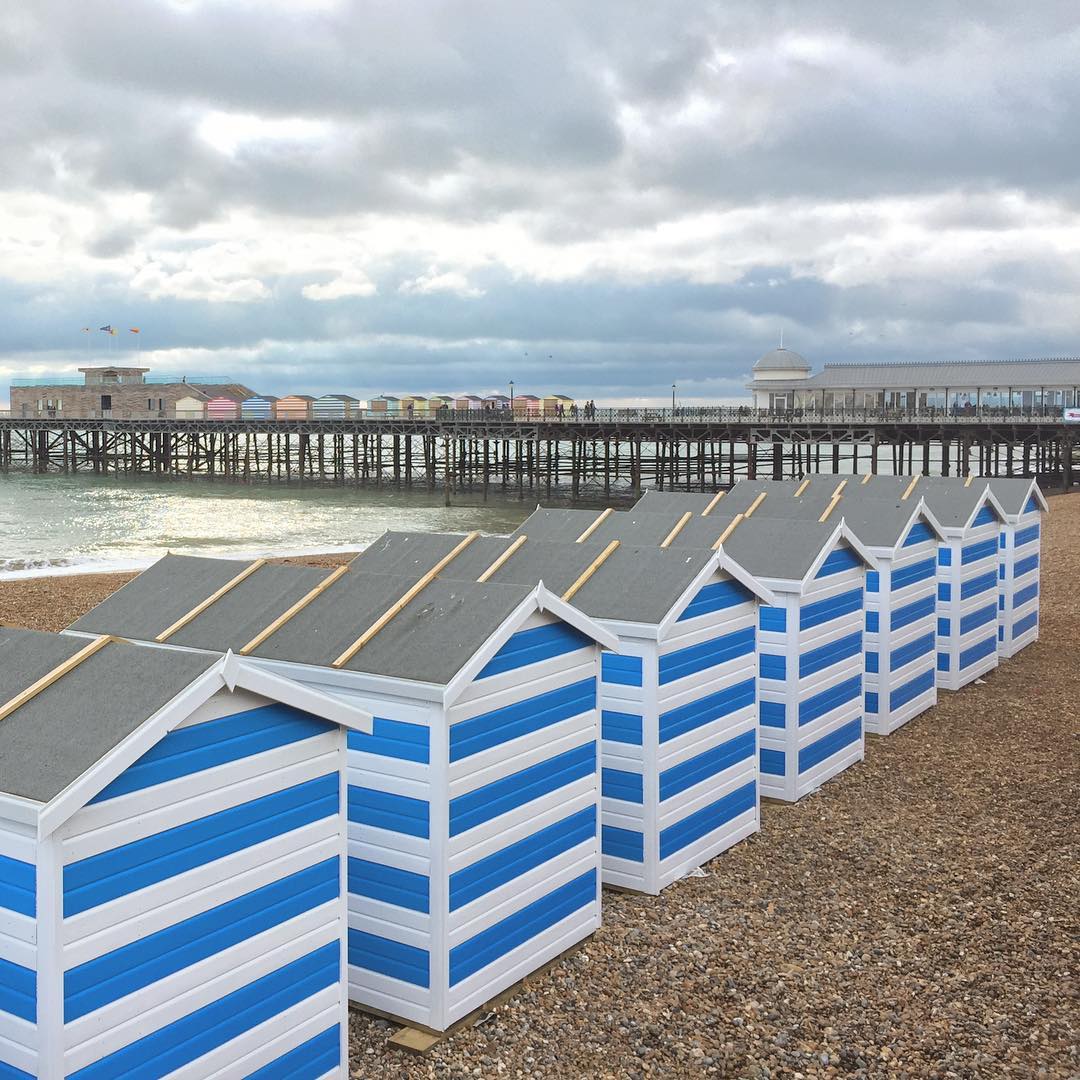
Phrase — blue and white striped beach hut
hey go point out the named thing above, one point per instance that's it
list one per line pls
(1019, 554)
(258, 408)
(172, 864)
(474, 853)
(678, 694)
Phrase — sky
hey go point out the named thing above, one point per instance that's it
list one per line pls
(598, 198)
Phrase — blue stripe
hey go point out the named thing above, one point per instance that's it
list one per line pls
(519, 858)
(486, 947)
(1025, 566)
(836, 562)
(1001, 602)
(1001, 633)
(944, 593)
(826, 610)
(390, 958)
(622, 843)
(873, 581)
(772, 714)
(919, 533)
(18, 990)
(1002, 539)
(1025, 536)
(620, 784)
(943, 629)
(943, 661)
(124, 869)
(830, 744)
(772, 619)
(979, 617)
(870, 702)
(872, 622)
(1001, 571)
(521, 718)
(909, 575)
(9, 1072)
(909, 613)
(1022, 626)
(535, 645)
(18, 886)
(216, 742)
(704, 710)
(827, 655)
(384, 810)
(708, 819)
(820, 704)
(205, 1029)
(974, 586)
(620, 727)
(872, 662)
(394, 739)
(716, 597)
(500, 796)
(1032, 506)
(772, 666)
(716, 759)
(1021, 597)
(706, 654)
(920, 646)
(944, 556)
(984, 549)
(620, 670)
(772, 762)
(984, 648)
(984, 517)
(313, 1058)
(134, 966)
(389, 884)
(912, 689)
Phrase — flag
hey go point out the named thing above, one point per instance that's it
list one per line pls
(133, 329)
(86, 329)
(107, 329)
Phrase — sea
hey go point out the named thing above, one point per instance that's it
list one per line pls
(52, 524)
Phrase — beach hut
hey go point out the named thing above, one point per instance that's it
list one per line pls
(551, 403)
(385, 404)
(334, 407)
(473, 806)
(172, 840)
(678, 695)
(496, 401)
(223, 408)
(526, 405)
(414, 405)
(438, 402)
(295, 407)
(1019, 549)
(468, 402)
(190, 408)
(258, 408)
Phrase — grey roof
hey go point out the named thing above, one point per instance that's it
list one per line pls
(247, 608)
(406, 553)
(950, 499)
(673, 502)
(1012, 492)
(161, 594)
(781, 359)
(779, 548)
(878, 522)
(968, 376)
(54, 738)
(429, 641)
(556, 525)
(636, 527)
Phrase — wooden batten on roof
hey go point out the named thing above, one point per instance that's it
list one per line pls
(604, 515)
(839, 488)
(728, 531)
(867, 478)
(299, 606)
(666, 542)
(590, 570)
(399, 605)
(755, 504)
(910, 488)
(57, 673)
(502, 559)
(715, 499)
(199, 608)
(967, 482)
(832, 504)
(802, 487)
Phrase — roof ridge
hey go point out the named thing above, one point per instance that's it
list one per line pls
(945, 363)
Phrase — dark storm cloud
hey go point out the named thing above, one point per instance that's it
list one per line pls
(594, 130)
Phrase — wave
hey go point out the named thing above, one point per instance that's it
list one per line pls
(13, 569)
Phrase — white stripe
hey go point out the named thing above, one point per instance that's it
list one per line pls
(137, 915)
(378, 780)
(18, 1042)
(18, 841)
(209, 794)
(260, 960)
(395, 996)
(388, 840)
(18, 939)
(540, 681)
(384, 920)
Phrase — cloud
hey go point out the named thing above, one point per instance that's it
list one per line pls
(260, 180)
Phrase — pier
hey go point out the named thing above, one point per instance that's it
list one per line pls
(616, 452)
